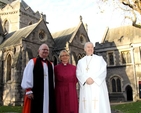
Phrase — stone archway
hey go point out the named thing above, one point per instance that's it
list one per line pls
(129, 93)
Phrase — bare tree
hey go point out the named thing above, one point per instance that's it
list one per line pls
(132, 9)
(135, 6)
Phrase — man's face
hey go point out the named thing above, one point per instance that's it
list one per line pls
(89, 49)
(44, 51)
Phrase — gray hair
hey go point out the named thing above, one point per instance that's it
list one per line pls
(87, 44)
(42, 46)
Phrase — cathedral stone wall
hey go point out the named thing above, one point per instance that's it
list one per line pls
(15, 55)
(11, 87)
(124, 44)
(10, 17)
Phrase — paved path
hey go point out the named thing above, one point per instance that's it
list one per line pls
(115, 112)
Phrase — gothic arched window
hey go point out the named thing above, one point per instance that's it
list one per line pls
(8, 77)
(42, 34)
(123, 57)
(126, 57)
(82, 39)
(79, 57)
(6, 26)
(113, 85)
(111, 58)
(116, 84)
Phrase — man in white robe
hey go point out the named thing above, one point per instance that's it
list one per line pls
(38, 83)
(91, 73)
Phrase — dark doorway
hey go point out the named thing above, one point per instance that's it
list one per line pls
(129, 93)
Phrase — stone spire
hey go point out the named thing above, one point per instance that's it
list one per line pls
(80, 18)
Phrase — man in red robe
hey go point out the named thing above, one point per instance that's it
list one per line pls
(65, 85)
(39, 85)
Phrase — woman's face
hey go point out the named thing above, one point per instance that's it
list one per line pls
(64, 57)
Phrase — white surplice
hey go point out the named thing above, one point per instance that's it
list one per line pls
(93, 98)
(27, 82)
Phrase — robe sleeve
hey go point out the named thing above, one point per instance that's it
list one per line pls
(27, 80)
(53, 74)
(100, 74)
(80, 74)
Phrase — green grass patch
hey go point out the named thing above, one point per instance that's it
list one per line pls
(14, 109)
(133, 107)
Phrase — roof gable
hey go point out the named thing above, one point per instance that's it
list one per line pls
(122, 32)
(61, 38)
(15, 37)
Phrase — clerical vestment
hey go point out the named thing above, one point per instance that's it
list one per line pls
(41, 85)
(93, 98)
(65, 88)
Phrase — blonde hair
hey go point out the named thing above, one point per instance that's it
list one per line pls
(63, 51)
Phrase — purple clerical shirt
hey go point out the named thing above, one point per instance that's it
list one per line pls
(65, 88)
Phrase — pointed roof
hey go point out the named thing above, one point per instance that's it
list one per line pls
(63, 37)
(20, 4)
(15, 37)
(25, 6)
(3, 3)
(123, 31)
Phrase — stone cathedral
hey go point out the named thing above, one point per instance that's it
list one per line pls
(22, 31)
(121, 49)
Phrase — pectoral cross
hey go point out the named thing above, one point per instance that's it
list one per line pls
(87, 69)
(95, 103)
(84, 103)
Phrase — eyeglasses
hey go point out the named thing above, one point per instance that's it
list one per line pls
(45, 49)
(64, 55)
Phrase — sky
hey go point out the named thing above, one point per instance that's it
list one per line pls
(63, 14)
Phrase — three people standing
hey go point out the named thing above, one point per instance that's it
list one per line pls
(90, 72)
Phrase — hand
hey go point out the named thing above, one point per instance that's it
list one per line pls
(89, 81)
(30, 96)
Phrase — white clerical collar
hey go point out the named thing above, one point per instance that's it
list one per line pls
(89, 55)
(64, 64)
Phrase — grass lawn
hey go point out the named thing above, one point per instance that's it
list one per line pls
(14, 109)
(133, 107)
